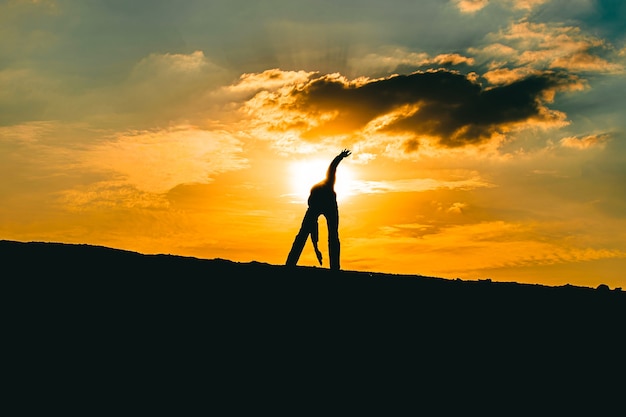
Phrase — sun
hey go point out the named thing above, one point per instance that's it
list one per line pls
(308, 172)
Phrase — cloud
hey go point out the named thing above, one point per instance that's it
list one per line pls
(451, 59)
(457, 208)
(482, 246)
(441, 107)
(549, 46)
(586, 142)
(585, 62)
(171, 65)
(419, 185)
(158, 87)
(271, 79)
(43, 150)
(503, 76)
(388, 60)
(169, 82)
(157, 161)
(25, 95)
(471, 6)
(527, 4)
(26, 132)
(110, 195)
(14, 8)
(128, 169)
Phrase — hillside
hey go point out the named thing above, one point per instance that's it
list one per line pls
(83, 309)
(101, 272)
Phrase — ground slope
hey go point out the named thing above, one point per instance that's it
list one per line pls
(267, 334)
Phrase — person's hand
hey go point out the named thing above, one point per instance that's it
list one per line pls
(345, 152)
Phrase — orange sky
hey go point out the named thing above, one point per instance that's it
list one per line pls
(164, 129)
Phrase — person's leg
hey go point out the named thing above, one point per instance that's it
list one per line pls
(298, 244)
(332, 220)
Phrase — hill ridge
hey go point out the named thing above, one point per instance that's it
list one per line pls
(18, 251)
(114, 317)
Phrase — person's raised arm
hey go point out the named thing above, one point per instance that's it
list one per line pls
(332, 168)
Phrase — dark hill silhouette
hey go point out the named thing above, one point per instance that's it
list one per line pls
(260, 336)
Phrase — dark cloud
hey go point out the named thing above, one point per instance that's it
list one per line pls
(451, 107)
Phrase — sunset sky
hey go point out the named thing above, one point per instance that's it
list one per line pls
(488, 137)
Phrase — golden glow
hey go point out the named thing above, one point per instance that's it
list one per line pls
(308, 172)
(194, 153)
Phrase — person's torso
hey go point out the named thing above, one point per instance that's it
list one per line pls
(322, 197)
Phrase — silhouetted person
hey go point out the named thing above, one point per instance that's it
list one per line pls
(322, 201)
